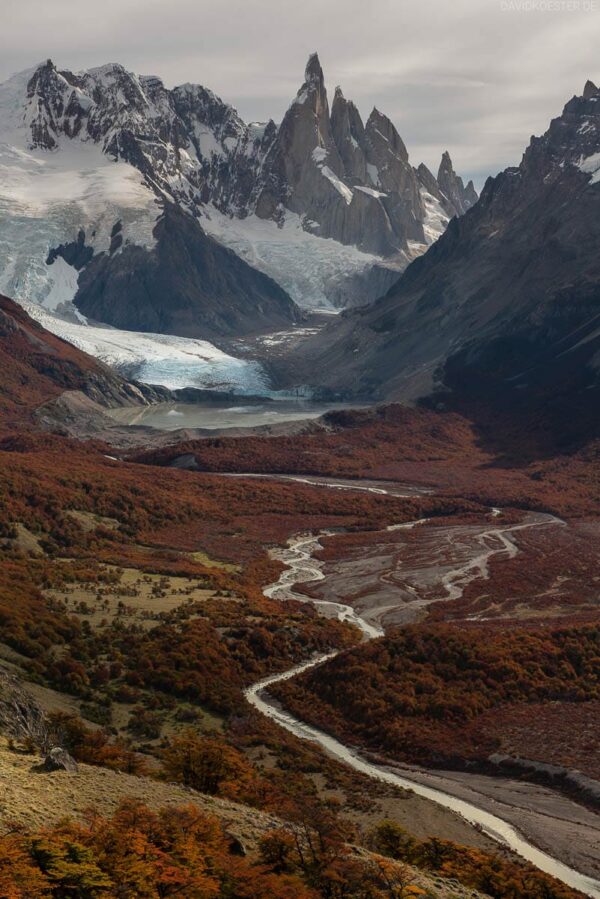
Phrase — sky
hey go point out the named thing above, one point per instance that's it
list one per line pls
(476, 77)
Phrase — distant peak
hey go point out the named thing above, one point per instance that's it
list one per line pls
(42, 77)
(590, 90)
(378, 119)
(313, 71)
(109, 68)
(446, 166)
(374, 118)
(338, 94)
(43, 67)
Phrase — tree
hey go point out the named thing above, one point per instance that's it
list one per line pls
(203, 763)
(68, 862)
(19, 875)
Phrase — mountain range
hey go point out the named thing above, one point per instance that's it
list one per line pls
(160, 210)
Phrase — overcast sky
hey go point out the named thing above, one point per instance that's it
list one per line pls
(477, 77)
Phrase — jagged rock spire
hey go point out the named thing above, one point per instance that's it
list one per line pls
(445, 164)
(380, 126)
(349, 136)
(313, 71)
(460, 197)
(590, 90)
(471, 194)
(313, 94)
(428, 180)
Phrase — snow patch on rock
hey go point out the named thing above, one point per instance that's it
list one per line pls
(339, 185)
(591, 166)
(436, 217)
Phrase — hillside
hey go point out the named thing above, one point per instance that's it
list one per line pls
(37, 366)
(458, 697)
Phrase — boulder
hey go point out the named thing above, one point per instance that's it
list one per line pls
(59, 760)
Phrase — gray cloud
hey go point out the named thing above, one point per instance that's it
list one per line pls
(477, 77)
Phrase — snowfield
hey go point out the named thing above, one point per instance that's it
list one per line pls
(591, 166)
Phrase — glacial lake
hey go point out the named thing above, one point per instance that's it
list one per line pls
(213, 416)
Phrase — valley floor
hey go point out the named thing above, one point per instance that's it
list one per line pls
(449, 560)
(132, 593)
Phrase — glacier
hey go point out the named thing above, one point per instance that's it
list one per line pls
(173, 362)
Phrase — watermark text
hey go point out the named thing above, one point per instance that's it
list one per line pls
(550, 5)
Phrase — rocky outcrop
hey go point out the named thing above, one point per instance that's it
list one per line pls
(188, 284)
(349, 136)
(348, 181)
(59, 760)
(295, 174)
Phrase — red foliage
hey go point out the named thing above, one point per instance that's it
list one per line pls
(429, 694)
(36, 366)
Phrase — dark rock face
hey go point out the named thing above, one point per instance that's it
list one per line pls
(349, 136)
(187, 285)
(74, 253)
(59, 760)
(506, 301)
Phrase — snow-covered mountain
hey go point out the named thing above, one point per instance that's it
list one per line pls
(83, 217)
(110, 183)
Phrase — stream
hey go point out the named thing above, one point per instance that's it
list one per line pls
(302, 567)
